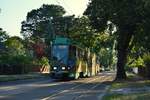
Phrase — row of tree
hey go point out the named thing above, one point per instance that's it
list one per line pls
(50, 20)
(15, 56)
(116, 31)
(132, 23)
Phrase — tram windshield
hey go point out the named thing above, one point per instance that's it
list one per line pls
(60, 53)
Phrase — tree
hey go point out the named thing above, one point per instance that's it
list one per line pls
(3, 38)
(3, 35)
(81, 32)
(129, 17)
(107, 52)
(15, 46)
(38, 21)
(42, 24)
(17, 56)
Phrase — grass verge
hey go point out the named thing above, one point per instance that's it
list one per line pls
(134, 96)
(5, 78)
(134, 88)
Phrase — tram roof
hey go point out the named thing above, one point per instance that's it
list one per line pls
(65, 41)
(61, 40)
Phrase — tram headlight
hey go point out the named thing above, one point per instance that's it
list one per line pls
(69, 68)
(63, 68)
(54, 68)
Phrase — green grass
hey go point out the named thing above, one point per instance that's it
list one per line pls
(132, 83)
(5, 78)
(126, 84)
(137, 96)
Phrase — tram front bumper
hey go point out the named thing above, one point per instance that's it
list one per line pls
(62, 74)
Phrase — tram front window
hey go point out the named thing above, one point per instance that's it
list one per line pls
(60, 53)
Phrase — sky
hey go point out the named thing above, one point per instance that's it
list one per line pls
(13, 12)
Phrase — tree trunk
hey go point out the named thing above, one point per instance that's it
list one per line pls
(123, 47)
(122, 55)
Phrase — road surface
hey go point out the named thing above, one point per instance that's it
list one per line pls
(92, 88)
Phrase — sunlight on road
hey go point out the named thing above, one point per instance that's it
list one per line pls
(85, 88)
(81, 89)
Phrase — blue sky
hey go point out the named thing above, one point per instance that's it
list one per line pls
(13, 12)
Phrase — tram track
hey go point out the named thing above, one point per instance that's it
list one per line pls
(81, 89)
(90, 80)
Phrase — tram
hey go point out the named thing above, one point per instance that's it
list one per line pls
(71, 61)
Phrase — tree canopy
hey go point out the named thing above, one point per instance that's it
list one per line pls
(40, 25)
(130, 18)
(39, 20)
(3, 35)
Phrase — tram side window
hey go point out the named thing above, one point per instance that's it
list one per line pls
(90, 60)
(79, 53)
(72, 52)
(85, 56)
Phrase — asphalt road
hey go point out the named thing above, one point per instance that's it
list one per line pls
(92, 88)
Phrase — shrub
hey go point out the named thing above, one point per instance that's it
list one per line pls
(146, 58)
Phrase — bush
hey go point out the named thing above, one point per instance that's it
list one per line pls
(44, 61)
(18, 64)
(146, 59)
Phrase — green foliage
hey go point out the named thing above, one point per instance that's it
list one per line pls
(43, 61)
(82, 34)
(104, 55)
(46, 11)
(3, 38)
(15, 46)
(63, 25)
(136, 63)
(39, 21)
(15, 52)
(146, 58)
(131, 20)
(43, 24)
(15, 55)
(3, 35)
